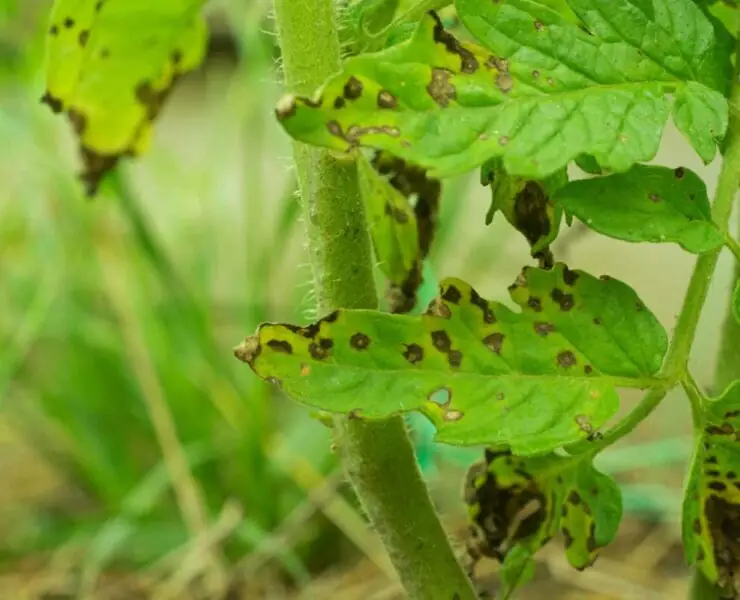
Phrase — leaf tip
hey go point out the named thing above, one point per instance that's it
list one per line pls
(248, 350)
(285, 107)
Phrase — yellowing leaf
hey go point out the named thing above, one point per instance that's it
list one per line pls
(110, 65)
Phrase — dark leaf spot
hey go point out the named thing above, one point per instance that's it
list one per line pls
(543, 329)
(565, 301)
(317, 352)
(570, 277)
(574, 498)
(440, 87)
(359, 341)
(386, 99)
(353, 88)
(53, 30)
(413, 353)
(83, 37)
(591, 544)
(55, 104)
(441, 340)
(452, 294)
(176, 57)
(280, 346)
(339, 102)
(535, 74)
(653, 197)
(326, 343)
(455, 358)
(477, 300)
(69, 23)
(566, 359)
(534, 303)
(505, 82)
(731, 475)
(717, 486)
(494, 342)
(588, 369)
(679, 172)
(538, 25)
(334, 128)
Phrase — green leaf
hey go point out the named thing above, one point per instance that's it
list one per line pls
(110, 66)
(588, 164)
(541, 93)
(711, 512)
(526, 205)
(516, 505)
(534, 379)
(646, 204)
(516, 571)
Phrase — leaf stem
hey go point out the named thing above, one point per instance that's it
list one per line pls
(733, 246)
(695, 395)
(378, 457)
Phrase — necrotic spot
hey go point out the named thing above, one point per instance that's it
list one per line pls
(69, 23)
(543, 329)
(534, 303)
(84, 36)
(570, 277)
(566, 359)
(353, 88)
(455, 358)
(280, 346)
(452, 294)
(441, 340)
(386, 99)
(359, 341)
(413, 353)
(494, 342)
(565, 301)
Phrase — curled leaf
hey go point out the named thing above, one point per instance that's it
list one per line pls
(516, 505)
(110, 65)
(483, 374)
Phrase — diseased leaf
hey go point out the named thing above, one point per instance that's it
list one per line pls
(711, 511)
(402, 235)
(533, 380)
(392, 224)
(110, 65)
(646, 204)
(539, 94)
(516, 505)
(526, 205)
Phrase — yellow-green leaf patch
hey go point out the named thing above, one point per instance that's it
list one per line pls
(532, 379)
(711, 512)
(109, 67)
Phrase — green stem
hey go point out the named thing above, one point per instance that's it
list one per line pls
(695, 396)
(733, 246)
(378, 457)
(728, 367)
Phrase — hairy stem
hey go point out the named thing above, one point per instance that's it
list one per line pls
(729, 357)
(377, 457)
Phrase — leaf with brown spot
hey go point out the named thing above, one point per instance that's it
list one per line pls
(711, 510)
(509, 384)
(110, 67)
(516, 505)
(646, 204)
(566, 93)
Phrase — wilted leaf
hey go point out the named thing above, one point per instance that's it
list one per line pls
(646, 204)
(516, 505)
(711, 512)
(533, 380)
(527, 206)
(541, 93)
(110, 65)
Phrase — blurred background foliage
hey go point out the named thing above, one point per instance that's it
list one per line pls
(138, 458)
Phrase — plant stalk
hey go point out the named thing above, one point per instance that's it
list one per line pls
(728, 367)
(378, 457)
